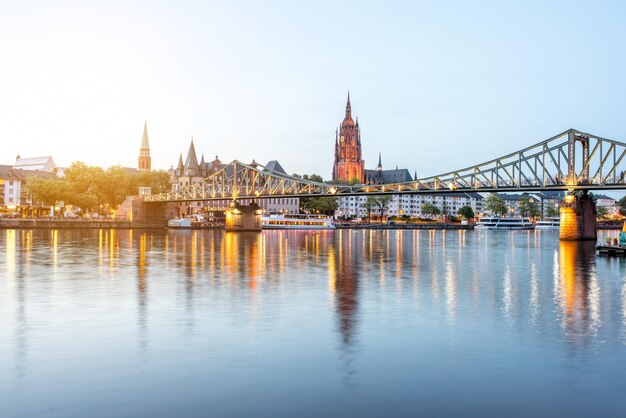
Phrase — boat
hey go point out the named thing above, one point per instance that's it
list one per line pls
(296, 221)
(498, 223)
(179, 223)
(549, 224)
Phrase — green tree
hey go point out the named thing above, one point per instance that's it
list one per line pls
(552, 211)
(466, 212)
(382, 202)
(495, 205)
(369, 205)
(528, 208)
(601, 212)
(429, 209)
(325, 205)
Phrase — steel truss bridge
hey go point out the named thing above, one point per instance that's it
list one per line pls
(569, 161)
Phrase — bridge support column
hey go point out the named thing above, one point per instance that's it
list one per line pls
(578, 218)
(244, 218)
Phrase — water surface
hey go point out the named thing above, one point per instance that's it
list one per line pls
(309, 324)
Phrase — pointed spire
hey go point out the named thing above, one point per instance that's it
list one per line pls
(202, 160)
(180, 163)
(348, 107)
(144, 139)
(415, 175)
(191, 163)
(379, 167)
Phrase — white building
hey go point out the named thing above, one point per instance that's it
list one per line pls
(35, 163)
(411, 205)
(608, 203)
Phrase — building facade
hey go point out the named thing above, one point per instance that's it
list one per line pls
(192, 172)
(411, 205)
(348, 166)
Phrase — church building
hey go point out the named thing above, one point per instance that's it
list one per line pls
(348, 166)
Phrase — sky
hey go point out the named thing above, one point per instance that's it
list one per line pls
(437, 85)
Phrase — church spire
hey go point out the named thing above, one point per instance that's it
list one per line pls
(144, 139)
(379, 167)
(191, 163)
(144, 162)
(348, 108)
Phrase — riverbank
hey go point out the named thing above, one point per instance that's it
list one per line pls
(44, 223)
(404, 226)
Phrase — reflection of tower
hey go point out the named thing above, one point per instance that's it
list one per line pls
(577, 287)
(145, 162)
(347, 287)
(348, 165)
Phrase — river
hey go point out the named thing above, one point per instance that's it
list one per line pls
(126, 323)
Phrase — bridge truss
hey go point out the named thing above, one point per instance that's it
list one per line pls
(572, 160)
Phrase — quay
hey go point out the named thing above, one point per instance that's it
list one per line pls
(70, 224)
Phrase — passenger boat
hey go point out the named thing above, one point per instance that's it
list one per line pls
(504, 223)
(179, 223)
(549, 223)
(296, 221)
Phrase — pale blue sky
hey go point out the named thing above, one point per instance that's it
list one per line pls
(436, 85)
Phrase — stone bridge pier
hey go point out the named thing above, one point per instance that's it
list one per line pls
(578, 218)
(244, 217)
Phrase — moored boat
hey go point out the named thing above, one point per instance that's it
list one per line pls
(497, 223)
(296, 221)
(549, 224)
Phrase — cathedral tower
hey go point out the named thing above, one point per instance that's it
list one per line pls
(348, 166)
(145, 162)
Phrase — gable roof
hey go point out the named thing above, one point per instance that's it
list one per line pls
(274, 166)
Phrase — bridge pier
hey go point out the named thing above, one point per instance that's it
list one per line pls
(578, 218)
(244, 218)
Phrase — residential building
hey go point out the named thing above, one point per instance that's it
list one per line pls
(608, 203)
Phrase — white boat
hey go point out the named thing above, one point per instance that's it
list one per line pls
(296, 221)
(179, 223)
(549, 223)
(498, 223)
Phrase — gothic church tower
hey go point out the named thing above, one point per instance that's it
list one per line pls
(348, 166)
(145, 162)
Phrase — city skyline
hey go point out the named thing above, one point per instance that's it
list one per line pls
(432, 92)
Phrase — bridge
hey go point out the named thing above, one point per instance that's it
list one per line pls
(569, 161)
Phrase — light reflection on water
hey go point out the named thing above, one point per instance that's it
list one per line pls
(284, 323)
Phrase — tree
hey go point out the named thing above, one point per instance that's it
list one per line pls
(325, 205)
(552, 211)
(383, 204)
(601, 212)
(528, 208)
(429, 209)
(495, 204)
(466, 212)
(369, 205)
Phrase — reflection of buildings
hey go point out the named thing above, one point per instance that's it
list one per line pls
(346, 289)
(578, 292)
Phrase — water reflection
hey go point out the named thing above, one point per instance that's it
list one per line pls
(577, 289)
(231, 301)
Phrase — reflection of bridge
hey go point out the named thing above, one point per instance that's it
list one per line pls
(571, 161)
